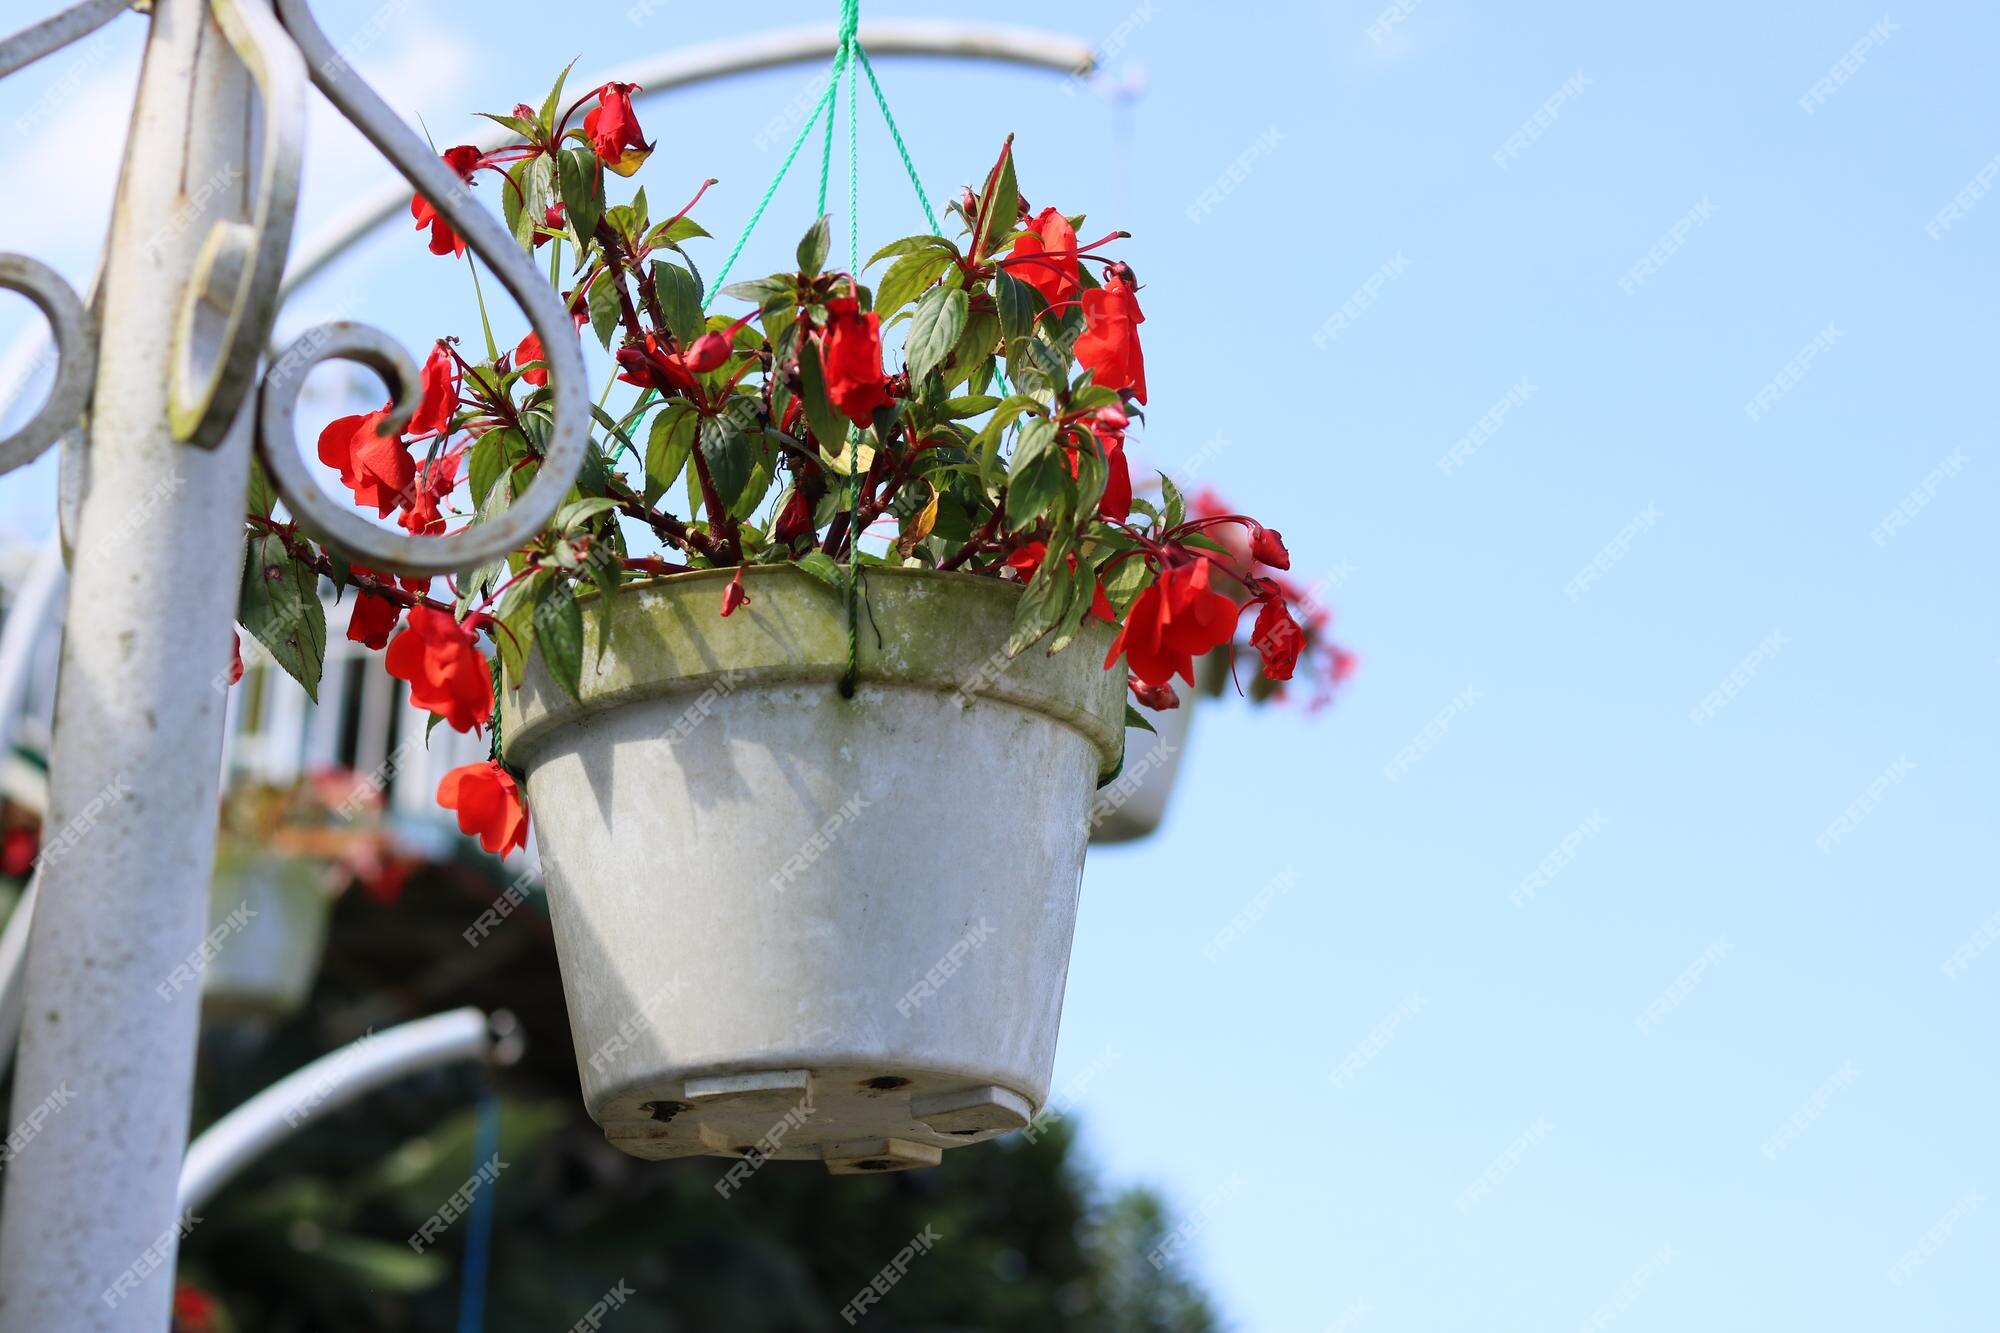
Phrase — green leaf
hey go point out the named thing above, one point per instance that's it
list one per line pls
(680, 300)
(1176, 508)
(280, 606)
(668, 447)
(934, 330)
(911, 245)
(675, 231)
(1128, 578)
(998, 204)
(1081, 597)
(577, 513)
(1042, 605)
(756, 488)
(1032, 489)
(559, 631)
(1019, 304)
(812, 246)
(1038, 440)
(605, 308)
(489, 461)
(553, 103)
(525, 128)
(975, 345)
(262, 495)
(1135, 718)
(597, 460)
(824, 568)
(725, 447)
(582, 192)
(828, 426)
(515, 635)
(907, 277)
(760, 291)
(515, 201)
(972, 405)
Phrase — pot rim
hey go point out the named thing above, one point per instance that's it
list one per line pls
(794, 631)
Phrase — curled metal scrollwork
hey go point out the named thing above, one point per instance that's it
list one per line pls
(343, 528)
(71, 329)
(232, 296)
(53, 34)
(75, 340)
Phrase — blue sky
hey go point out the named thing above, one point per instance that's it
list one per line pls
(1732, 536)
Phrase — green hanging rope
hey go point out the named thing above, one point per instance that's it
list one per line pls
(850, 17)
(897, 134)
(848, 52)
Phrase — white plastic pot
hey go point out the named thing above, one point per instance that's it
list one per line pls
(267, 933)
(797, 925)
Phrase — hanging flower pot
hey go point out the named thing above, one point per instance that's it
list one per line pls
(1134, 804)
(286, 852)
(809, 684)
(774, 901)
(267, 916)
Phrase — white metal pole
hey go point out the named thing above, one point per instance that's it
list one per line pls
(91, 1225)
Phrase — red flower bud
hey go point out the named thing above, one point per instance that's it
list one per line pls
(795, 520)
(652, 366)
(1159, 698)
(1269, 548)
(553, 220)
(1277, 638)
(708, 353)
(733, 596)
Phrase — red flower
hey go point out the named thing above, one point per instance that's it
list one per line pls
(1269, 548)
(376, 467)
(552, 220)
(18, 846)
(1176, 619)
(614, 130)
(1027, 559)
(851, 351)
(235, 657)
(527, 350)
(1277, 639)
(440, 400)
(1108, 347)
(655, 365)
(444, 241)
(447, 673)
(733, 596)
(373, 618)
(488, 802)
(424, 515)
(1109, 427)
(1049, 234)
(194, 1310)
